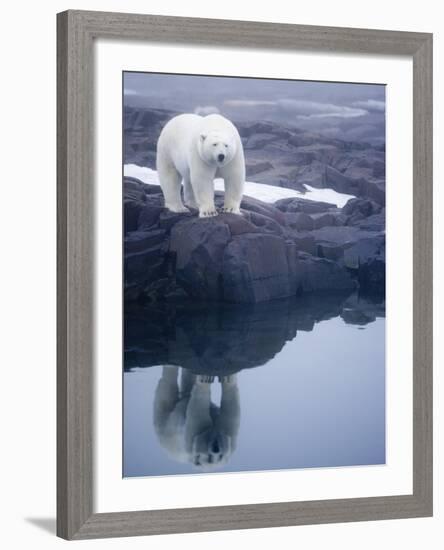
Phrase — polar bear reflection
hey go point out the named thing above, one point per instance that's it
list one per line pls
(189, 426)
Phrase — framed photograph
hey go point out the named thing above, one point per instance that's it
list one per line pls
(244, 275)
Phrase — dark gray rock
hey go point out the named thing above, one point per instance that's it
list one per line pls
(348, 245)
(312, 174)
(264, 223)
(341, 235)
(239, 225)
(134, 185)
(309, 273)
(259, 141)
(131, 213)
(331, 251)
(248, 129)
(367, 259)
(364, 250)
(326, 219)
(255, 269)
(302, 139)
(304, 243)
(373, 223)
(269, 210)
(299, 221)
(168, 219)
(362, 187)
(340, 182)
(149, 214)
(143, 268)
(137, 207)
(257, 167)
(296, 204)
(375, 190)
(137, 241)
(199, 246)
(323, 274)
(152, 189)
(357, 209)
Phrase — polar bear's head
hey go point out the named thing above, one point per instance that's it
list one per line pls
(217, 148)
(210, 448)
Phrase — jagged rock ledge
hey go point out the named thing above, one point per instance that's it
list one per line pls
(275, 251)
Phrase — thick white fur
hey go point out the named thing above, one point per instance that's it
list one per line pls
(189, 149)
(189, 426)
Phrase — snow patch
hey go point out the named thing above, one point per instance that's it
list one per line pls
(261, 191)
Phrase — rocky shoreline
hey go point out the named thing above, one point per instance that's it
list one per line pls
(292, 247)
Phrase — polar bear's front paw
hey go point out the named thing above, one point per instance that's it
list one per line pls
(232, 210)
(205, 379)
(177, 208)
(208, 213)
(228, 379)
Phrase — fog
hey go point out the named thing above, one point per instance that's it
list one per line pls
(342, 110)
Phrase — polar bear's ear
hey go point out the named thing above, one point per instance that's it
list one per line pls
(203, 137)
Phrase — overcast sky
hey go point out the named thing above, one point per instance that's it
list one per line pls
(342, 110)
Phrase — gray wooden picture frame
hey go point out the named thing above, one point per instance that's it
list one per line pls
(76, 32)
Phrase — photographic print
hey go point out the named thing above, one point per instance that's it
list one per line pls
(253, 273)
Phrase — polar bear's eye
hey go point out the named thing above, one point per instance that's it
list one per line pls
(226, 144)
(214, 144)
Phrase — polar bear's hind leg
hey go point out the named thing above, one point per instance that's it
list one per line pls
(188, 194)
(171, 184)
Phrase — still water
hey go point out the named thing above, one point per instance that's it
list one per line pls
(297, 383)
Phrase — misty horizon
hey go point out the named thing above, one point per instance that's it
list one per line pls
(346, 111)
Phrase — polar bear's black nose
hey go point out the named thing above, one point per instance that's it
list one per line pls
(220, 157)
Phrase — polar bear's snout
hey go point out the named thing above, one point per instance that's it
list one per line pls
(220, 157)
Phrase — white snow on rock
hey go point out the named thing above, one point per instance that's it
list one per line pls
(261, 191)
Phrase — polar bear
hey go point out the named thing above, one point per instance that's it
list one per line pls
(197, 149)
(189, 426)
